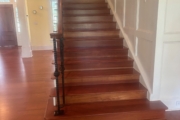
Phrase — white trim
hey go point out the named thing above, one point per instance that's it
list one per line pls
(51, 17)
(24, 34)
(54, 101)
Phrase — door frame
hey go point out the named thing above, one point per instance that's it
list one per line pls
(15, 20)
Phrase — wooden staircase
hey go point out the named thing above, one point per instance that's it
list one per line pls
(100, 82)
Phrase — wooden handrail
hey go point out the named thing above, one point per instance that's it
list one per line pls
(55, 35)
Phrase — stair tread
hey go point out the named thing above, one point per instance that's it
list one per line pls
(85, 12)
(93, 3)
(91, 30)
(90, 60)
(99, 89)
(76, 15)
(90, 4)
(83, 22)
(77, 60)
(95, 53)
(87, 19)
(99, 16)
(94, 38)
(98, 65)
(101, 8)
(104, 22)
(87, 30)
(101, 72)
(95, 73)
(84, 2)
(91, 49)
(102, 108)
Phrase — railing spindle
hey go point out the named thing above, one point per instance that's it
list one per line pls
(62, 65)
(56, 74)
(59, 36)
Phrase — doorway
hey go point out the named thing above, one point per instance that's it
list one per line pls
(8, 36)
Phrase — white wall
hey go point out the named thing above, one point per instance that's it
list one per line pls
(151, 29)
(167, 56)
(24, 34)
(137, 21)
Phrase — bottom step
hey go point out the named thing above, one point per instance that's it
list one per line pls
(116, 110)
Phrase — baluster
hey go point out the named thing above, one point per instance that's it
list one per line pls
(56, 74)
(62, 65)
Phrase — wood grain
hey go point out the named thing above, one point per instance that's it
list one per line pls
(126, 110)
(85, 6)
(85, 12)
(24, 84)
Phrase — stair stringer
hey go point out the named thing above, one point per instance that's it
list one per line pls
(138, 66)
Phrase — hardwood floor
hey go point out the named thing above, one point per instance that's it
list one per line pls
(25, 85)
(173, 115)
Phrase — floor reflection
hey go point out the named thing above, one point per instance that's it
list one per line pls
(24, 84)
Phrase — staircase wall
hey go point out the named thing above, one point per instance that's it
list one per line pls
(151, 29)
(137, 21)
(167, 57)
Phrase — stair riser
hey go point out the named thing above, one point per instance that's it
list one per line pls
(85, 12)
(80, 60)
(93, 56)
(88, 60)
(96, 66)
(86, 44)
(98, 54)
(84, 1)
(102, 79)
(91, 34)
(84, 6)
(92, 26)
(138, 115)
(84, 19)
(99, 83)
(102, 97)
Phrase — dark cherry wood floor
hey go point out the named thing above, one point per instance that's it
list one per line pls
(25, 85)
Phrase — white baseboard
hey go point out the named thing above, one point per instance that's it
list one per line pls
(42, 47)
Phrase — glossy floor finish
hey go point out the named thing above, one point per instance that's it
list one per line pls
(173, 115)
(24, 84)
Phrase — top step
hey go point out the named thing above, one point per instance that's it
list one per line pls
(84, 1)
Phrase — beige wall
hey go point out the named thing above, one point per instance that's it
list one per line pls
(40, 24)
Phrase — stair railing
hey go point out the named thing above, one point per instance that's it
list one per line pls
(58, 44)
